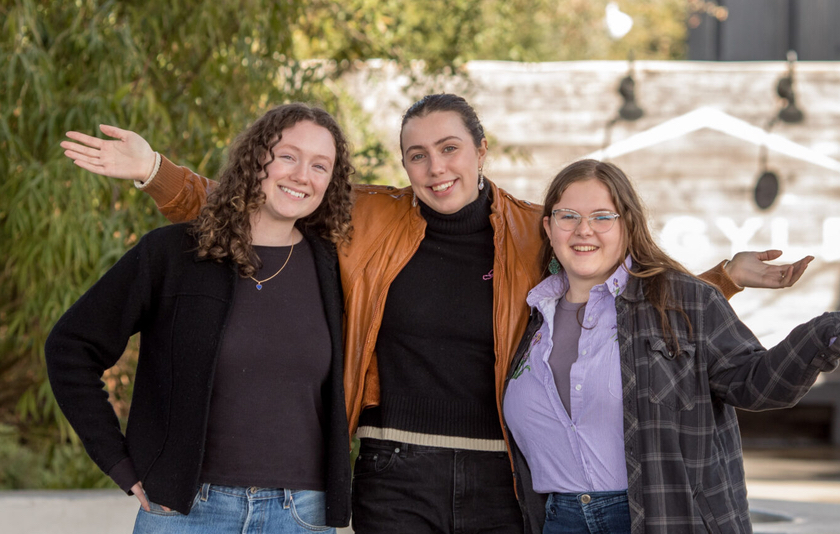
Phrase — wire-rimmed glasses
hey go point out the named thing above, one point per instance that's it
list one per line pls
(568, 220)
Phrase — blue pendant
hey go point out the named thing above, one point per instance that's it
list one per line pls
(259, 286)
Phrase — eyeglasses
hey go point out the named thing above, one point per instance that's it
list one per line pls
(599, 221)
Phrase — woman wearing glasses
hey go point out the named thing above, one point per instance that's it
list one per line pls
(621, 396)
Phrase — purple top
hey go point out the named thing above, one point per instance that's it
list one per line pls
(583, 451)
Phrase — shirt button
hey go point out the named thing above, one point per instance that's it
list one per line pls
(589, 319)
(585, 499)
(577, 387)
(584, 352)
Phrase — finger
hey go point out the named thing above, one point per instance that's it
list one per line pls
(798, 269)
(69, 145)
(113, 131)
(96, 169)
(86, 139)
(769, 255)
(80, 149)
(166, 508)
(138, 492)
(75, 156)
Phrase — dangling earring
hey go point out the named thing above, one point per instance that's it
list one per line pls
(554, 265)
(413, 199)
(480, 179)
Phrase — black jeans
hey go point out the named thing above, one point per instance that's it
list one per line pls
(413, 489)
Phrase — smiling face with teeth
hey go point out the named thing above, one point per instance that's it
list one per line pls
(587, 257)
(442, 160)
(296, 180)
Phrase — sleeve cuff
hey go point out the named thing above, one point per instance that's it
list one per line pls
(168, 182)
(142, 185)
(720, 278)
(124, 475)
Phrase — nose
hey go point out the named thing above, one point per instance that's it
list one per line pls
(300, 173)
(436, 164)
(584, 228)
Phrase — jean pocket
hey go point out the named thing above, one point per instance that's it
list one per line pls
(374, 462)
(156, 509)
(309, 509)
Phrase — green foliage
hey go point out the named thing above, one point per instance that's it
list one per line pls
(188, 76)
(562, 30)
(46, 465)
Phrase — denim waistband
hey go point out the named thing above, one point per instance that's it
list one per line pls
(592, 498)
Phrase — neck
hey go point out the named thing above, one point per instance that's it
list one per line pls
(273, 233)
(578, 291)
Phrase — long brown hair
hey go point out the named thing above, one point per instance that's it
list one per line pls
(649, 261)
(223, 228)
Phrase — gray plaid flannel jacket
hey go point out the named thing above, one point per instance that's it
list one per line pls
(681, 440)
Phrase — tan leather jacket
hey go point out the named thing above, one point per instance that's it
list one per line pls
(387, 232)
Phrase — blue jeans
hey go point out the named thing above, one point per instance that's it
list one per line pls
(400, 488)
(604, 512)
(229, 510)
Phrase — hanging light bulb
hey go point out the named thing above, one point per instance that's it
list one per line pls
(618, 23)
(790, 113)
(766, 189)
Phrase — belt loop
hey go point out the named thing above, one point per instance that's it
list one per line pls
(205, 491)
(287, 498)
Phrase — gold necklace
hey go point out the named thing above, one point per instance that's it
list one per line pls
(260, 282)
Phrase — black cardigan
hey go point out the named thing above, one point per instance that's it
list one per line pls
(180, 305)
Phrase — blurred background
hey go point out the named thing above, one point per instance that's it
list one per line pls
(725, 113)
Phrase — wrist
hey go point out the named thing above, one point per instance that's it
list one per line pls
(152, 173)
(727, 267)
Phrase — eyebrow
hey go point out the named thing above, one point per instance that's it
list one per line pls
(299, 151)
(436, 143)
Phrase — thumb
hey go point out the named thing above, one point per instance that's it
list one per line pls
(113, 131)
(768, 255)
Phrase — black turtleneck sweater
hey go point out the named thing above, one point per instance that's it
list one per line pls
(435, 346)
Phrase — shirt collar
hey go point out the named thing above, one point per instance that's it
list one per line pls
(556, 285)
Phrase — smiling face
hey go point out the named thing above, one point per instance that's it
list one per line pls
(299, 175)
(588, 258)
(442, 161)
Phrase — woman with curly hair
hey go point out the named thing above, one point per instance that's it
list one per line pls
(237, 419)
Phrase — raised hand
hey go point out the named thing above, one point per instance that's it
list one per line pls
(748, 269)
(128, 157)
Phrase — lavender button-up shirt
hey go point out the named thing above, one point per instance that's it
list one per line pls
(584, 451)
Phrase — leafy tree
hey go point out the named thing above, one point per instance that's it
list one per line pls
(186, 75)
(189, 75)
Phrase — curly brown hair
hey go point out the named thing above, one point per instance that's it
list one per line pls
(650, 262)
(223, 228)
